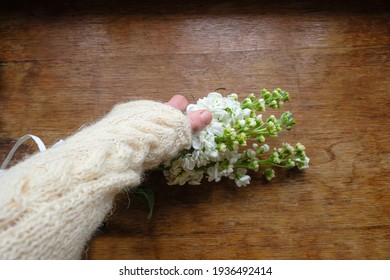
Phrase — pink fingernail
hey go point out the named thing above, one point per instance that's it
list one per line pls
(206, 117)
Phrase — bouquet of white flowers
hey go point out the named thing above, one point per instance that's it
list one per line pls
(221, 149)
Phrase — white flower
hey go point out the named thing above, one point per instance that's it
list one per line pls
(243, 181)
(200, 158)
(215, 128)
(212, 102)
(195, 177)
(229, 170)
(189, 162)
(208, 142)
(214, 173)
(192, 108)
(180, 179)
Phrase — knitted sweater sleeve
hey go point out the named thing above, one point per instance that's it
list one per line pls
(51, 203)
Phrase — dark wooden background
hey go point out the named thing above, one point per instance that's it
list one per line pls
(66, 63)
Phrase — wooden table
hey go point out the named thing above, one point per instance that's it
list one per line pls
(65, 63)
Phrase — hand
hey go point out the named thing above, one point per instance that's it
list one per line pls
(198, 120)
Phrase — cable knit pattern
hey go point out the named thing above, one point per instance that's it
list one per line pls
(51, 203)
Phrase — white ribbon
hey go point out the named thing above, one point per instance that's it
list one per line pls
(37, 140)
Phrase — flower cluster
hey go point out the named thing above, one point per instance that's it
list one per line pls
(221, 149)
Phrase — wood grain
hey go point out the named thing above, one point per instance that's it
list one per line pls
(66, 63)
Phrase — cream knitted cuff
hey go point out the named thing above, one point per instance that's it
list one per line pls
(51, 203)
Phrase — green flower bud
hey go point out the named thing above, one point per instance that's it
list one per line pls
(260, 105)
(276, 94)
(299, 147)
(287, 120)
(273, 104)
(302, 163)
(275, 158)
(233, 96)
(271, 128)
(263, 149)
(260, 138)
(290, 163)
(271, 118)
(259, 120)
(247, 101)
(269, 174)
(251, 122)
(221, 147)
(254, 165)
(252, 97)
(265, 93)
(288, 149)
(242, 135)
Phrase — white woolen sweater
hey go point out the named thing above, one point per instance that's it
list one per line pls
(51, 203)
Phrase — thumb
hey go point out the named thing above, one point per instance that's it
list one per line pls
(199, 119)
